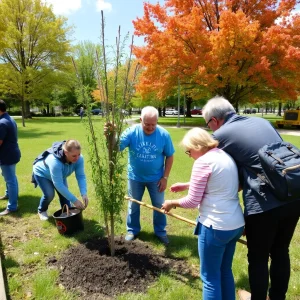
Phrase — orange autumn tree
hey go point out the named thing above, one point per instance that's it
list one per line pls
(242, 50)
(98, 94)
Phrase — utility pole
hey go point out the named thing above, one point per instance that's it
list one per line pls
(178, 120)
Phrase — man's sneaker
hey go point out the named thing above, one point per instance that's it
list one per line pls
(130, 237)
(7, 212)
(5, 197)
(244, 295)
(164, 239)
(43, 215)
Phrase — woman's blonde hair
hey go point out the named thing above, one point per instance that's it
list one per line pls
(198, 139)
(70, 145)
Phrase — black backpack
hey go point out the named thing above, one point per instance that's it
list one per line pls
(281, 170)
(56, 146)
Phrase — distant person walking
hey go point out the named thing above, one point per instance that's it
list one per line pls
(9, 157)
(81, 112)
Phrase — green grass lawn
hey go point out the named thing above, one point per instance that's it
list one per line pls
(28, 243)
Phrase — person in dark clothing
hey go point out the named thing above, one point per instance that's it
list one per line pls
(270, 223)
(9, 157)
(81, 112)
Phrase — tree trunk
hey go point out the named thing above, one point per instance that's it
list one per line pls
(27, 110)
(279, 109)
(112, 235)
(23, 111)
(189, 101)
(159, 112)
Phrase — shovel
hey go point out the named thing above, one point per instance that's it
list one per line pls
(172, 215)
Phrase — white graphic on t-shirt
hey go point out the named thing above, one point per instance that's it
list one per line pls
(146, 152)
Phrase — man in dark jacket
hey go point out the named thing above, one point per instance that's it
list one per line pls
(270, 223)
(9, 156)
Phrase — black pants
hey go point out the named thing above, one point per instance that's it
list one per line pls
(269, 235)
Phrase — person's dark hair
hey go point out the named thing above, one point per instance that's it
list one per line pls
(2, 106)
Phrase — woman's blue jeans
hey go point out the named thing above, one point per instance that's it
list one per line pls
(12, 187)
(48, 190)
(136, 191)
(216, 249)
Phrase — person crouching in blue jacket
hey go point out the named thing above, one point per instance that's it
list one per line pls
(50, 172)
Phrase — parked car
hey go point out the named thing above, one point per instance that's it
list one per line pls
(171, 111)
(247, 111)
(125, 112)
(96, 111)
(196, 111)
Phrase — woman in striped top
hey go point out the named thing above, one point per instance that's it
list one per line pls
(213, 188)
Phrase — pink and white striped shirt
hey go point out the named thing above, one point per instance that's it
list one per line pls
(214, 190)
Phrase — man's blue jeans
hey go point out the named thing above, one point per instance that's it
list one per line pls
(216, 249)
(12, 187)
(48, 190)
(136, 191)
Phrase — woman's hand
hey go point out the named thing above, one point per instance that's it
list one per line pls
(179, 187)
(85, 200)
(167, 205)
(79, 204)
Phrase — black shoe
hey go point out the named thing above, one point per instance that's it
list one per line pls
(5, 197)
(164, 239)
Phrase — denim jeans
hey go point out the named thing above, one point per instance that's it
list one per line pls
(136, 191)
(12, 187)
(216, 249)
(48, 190)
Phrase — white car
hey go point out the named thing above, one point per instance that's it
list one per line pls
(171, 112)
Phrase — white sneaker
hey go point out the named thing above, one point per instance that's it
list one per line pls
(43, 215)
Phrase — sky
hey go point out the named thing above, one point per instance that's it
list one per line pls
(85, 16)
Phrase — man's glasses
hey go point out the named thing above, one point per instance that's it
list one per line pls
(187, 152)
(208, 122)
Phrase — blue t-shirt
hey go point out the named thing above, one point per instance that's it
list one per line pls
(9, 150)
(147, 153)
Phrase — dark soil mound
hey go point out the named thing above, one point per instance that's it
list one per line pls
(90, 269)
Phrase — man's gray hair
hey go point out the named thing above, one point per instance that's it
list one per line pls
(217, 107)
(149, 111)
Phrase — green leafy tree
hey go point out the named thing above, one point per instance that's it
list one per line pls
(33, 45)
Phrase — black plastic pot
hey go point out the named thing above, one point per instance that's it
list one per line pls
(68, 220)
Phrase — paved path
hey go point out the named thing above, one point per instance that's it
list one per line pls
(289, 132)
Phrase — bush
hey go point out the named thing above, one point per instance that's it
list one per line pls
(67, 113)
(15, 112)
(36, 114)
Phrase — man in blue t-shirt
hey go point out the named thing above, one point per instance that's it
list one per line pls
(150, 161)
(9, 156)
(270, 223)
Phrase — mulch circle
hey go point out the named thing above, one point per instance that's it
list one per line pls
(89, 268)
